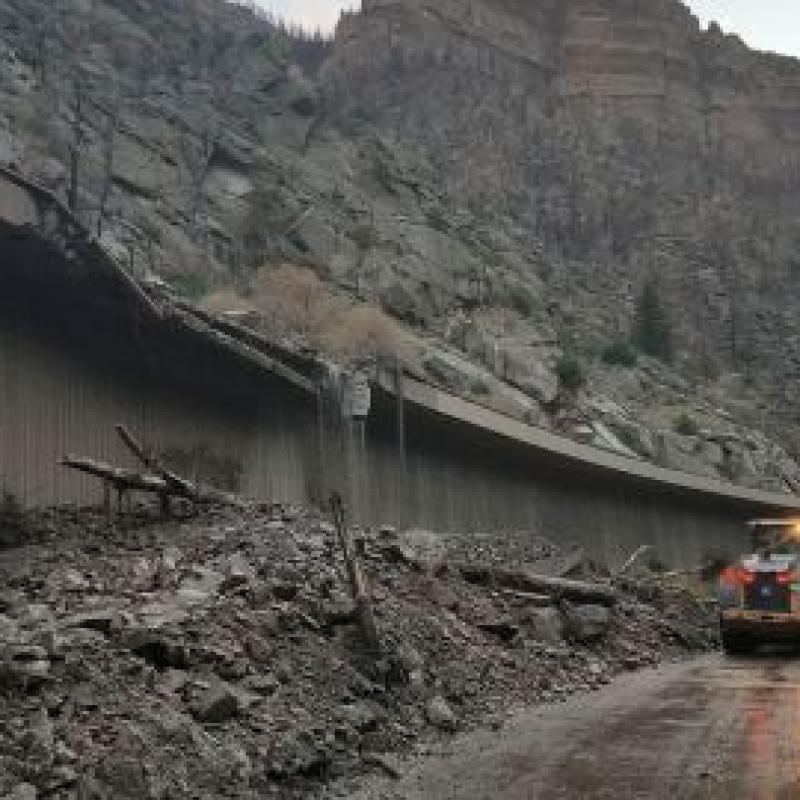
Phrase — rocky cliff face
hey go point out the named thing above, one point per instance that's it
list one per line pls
(625, 143)
(504, 176)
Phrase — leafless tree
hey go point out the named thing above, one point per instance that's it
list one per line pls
(76, 143)
(197, 150)
(109, 139)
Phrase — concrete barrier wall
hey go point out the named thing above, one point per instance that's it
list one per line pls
(460, 479)
(454, 477)
(54, 401)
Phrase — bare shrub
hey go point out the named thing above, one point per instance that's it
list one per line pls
(364, 330)
(225, 301)
(294, 300)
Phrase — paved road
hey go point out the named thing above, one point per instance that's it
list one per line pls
(713, 728)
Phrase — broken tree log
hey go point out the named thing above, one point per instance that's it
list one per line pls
(634, 557)
(179, 486)
(363, 605)
(118, 477)
(126, 480)
(523, 580)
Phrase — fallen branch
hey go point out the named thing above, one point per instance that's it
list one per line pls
(363, 605)
(125, 480)
(526, 581)
(634, 557)
(179, 486)
(122, 479)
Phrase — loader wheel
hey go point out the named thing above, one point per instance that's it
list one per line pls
(736, 645)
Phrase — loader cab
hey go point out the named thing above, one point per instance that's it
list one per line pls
(760, 593)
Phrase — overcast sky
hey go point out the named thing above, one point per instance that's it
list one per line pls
(311, 14)
(765, 24)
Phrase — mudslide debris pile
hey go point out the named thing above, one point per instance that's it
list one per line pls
(216, 656)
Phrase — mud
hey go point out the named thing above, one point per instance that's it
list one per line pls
(714, 728)
(216, 656)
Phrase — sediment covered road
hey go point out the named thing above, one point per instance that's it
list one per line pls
(711, 728)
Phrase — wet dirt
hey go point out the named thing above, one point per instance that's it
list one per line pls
(712, 728)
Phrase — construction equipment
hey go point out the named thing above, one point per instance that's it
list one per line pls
(760, 593)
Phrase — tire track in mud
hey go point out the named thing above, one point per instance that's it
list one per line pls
(713, 729)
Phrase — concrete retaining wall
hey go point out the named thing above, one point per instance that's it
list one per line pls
(54, 401)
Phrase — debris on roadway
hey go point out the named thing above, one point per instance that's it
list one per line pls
(218, 655)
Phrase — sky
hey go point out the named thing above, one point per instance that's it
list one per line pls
(311, 14)
(763, 24)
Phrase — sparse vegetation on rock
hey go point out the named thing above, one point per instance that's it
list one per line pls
(570, 371)
(201, 140)
(619, 354)
(686, 425)
(652, 332)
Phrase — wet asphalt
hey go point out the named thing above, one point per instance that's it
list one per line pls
(714, 728)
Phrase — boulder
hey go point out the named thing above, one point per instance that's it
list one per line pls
(26, 663)
(23, 791)
(445, 372)
(285, 590)
(173, 680)
(503, 629)
(684, 453)
(439, 714)
(267, 622)
(171, 558)
(63, 776)
(362, 717)
(238, 571)
(104, 620)
(409, 659)
(73, 581)
(84, 696)
(633, 434)
(337, 612)
(218, 704)
(407, 667)
(89, 788)
(586, 623)
(388, 763)
(525, 368)
(9, 629)
(125, 777)
(264, 685)
(547, 625)
(155, 648)
(403, 304)
(606, 439)
(418, 548)
(200, 586)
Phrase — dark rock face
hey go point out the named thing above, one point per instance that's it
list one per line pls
(509, 179)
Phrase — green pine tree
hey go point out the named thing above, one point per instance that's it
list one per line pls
(652, 332)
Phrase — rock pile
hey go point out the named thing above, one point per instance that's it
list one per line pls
(215, 657)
